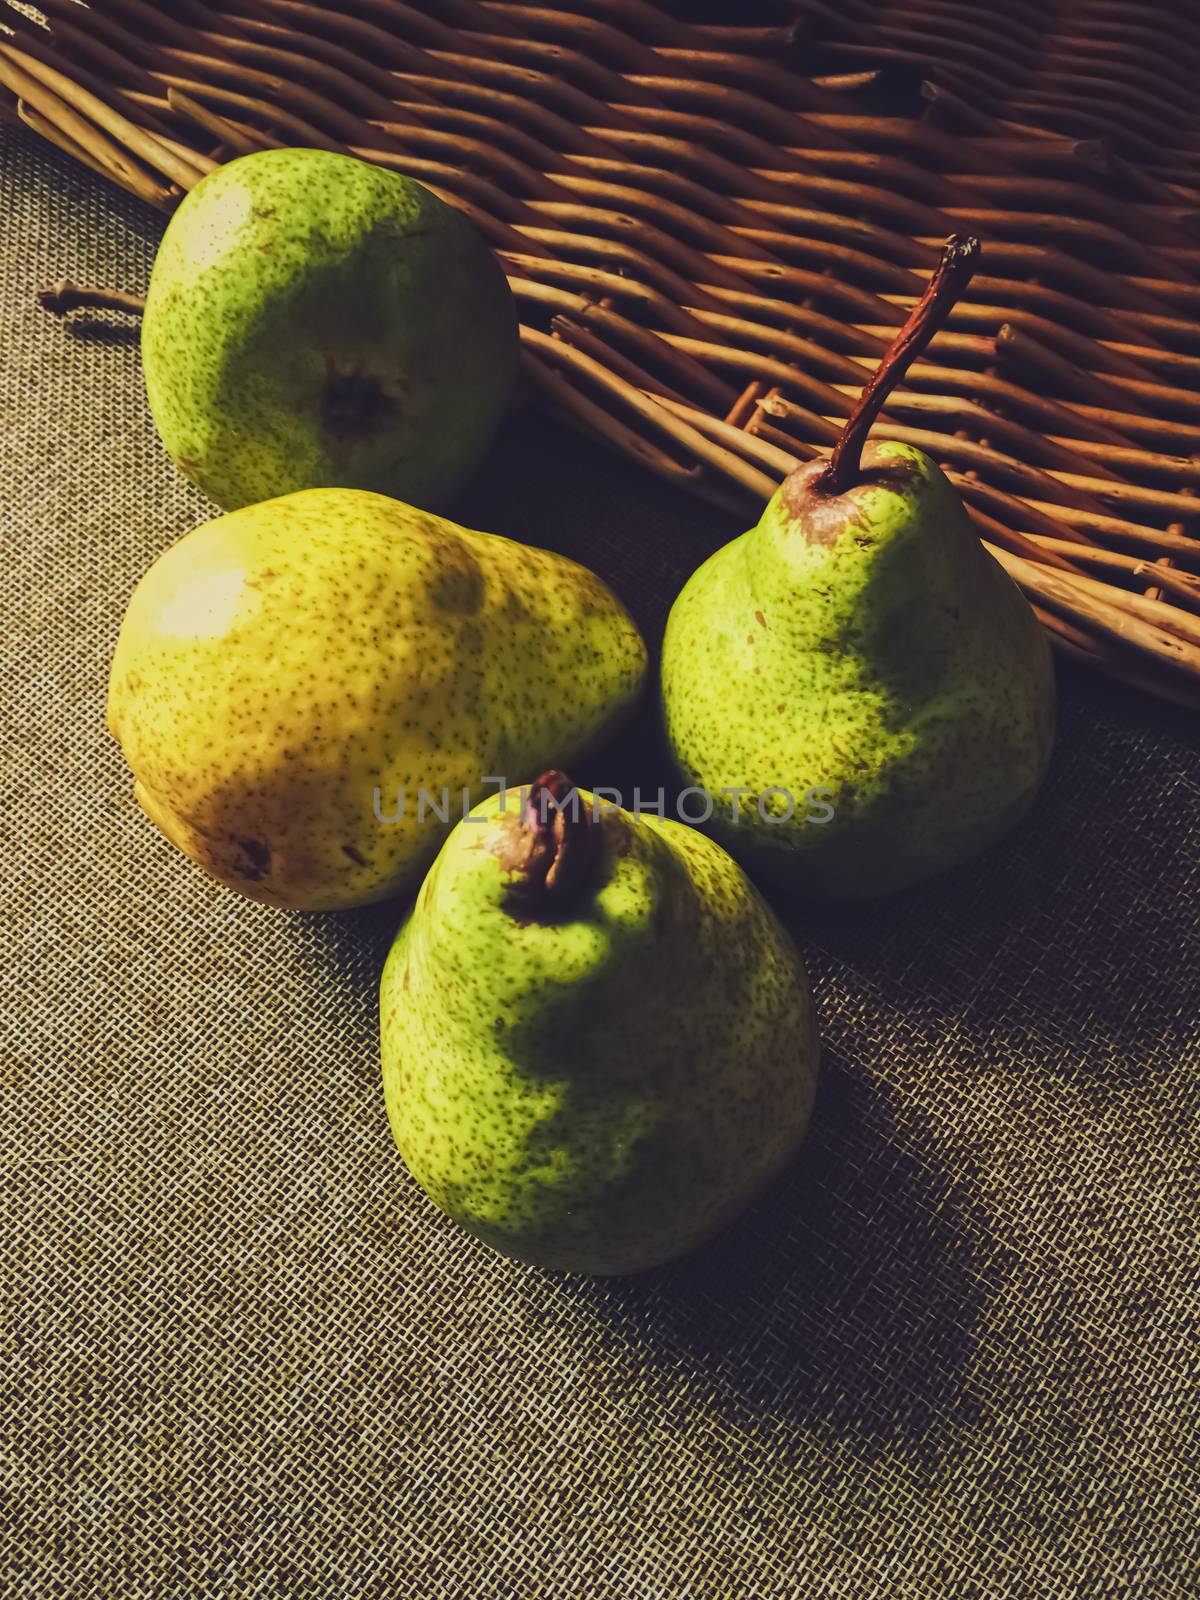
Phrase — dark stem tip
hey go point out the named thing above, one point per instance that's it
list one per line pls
(960, 253)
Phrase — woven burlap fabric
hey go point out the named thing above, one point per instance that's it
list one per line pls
(953, 1352)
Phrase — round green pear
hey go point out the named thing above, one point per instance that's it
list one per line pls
(309, 691)
(861, 688)
(598, 1042)
(317, 320)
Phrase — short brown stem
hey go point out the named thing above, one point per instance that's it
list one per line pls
(950, 278)
(65, 296)
(548, 853)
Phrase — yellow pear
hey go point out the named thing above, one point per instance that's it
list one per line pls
(311, 691)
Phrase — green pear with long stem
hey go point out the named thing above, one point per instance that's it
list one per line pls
(859, 642)
(598, 1042)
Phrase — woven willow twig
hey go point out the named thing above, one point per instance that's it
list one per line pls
(1124, 70)
(713, 232)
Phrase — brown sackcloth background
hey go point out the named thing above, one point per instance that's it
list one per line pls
(954, 1352)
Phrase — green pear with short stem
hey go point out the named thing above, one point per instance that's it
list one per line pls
(598, 1042)
(859, 642)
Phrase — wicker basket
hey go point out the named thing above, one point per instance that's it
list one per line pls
(712, 231)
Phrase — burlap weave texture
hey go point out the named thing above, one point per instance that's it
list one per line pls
(953, 1352)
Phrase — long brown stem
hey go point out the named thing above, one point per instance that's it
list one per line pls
(65, 296)
(950, 278)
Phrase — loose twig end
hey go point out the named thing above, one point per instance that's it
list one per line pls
(64, 296)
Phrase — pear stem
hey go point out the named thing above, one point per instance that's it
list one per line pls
(65, 296)
(549, 853)
(950, 278)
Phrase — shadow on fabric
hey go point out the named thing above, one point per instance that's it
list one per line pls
(847, 1293)
(95, 330)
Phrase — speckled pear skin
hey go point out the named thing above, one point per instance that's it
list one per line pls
(279, 663)
(601, 1091)
(316, 320)
(865, 644)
